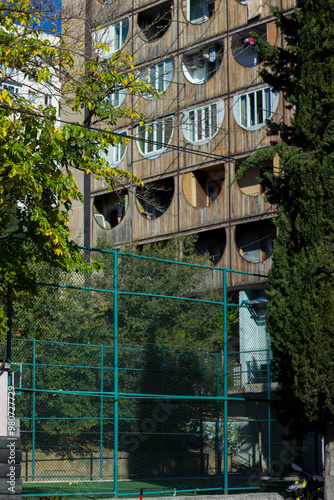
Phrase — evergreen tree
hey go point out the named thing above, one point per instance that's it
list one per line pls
(301, 307)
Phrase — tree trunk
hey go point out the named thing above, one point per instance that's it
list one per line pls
(329, 462)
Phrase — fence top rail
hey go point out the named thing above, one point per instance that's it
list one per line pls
(131, 348)
(221, 269)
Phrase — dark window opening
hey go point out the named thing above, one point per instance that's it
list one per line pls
(154, 22)
(110, 208)
(213, 242)
(154, 199)
(255, 240)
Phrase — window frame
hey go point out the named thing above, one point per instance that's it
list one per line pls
(108, 35)
(207, 129)
(117, 98)
(252, 109)
(150, 132)
(116, 154)
(12, 87)
(205, 11)
(159, 76)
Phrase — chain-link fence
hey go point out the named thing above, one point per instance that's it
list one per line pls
(156, 376)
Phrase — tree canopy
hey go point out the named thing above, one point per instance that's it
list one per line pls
(39, 154)
(301, 299)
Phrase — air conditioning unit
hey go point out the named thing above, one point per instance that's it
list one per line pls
(196, 63)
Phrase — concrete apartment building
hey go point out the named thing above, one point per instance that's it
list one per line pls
(201, 57)
(210, 115)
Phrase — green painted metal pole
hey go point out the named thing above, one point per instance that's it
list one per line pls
(116, 373)
(269, 410)
(201, 429)
(163, 437)
(225, 382)
(9, 324)
(219, 462)
(101, 415)
(33, 444)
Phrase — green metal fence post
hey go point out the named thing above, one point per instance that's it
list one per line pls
(225, 382)
(9, 324)
(269, 410)
(116, 372)
(201, 429)
(219, 464)
(101, 415)
(162, 417)
(33, 444)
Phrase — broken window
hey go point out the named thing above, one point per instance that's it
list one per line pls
(254, 8)
(213, 242)
(249, 183)
(244, 47)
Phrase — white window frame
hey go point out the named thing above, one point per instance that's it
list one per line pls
(201, 124)
(117, 98)
(116, 154)
(32, 96)
(48, 100)
(252, 109)
(109, 36)
(205, 12)
(155, 132)
(159, 75)
(15, 89)
(10, 73)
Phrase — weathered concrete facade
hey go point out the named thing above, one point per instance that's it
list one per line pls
(210, 115)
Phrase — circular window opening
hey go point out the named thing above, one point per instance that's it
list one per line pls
(249, 184)
(199, 65)
(114, 36)
(110, 208)
(201, 188)
(155, 21)
(159, 76)
(244, 47)
(199, 11)
(154, 198)
(200, 125)
(211, 242)
(255, 240)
